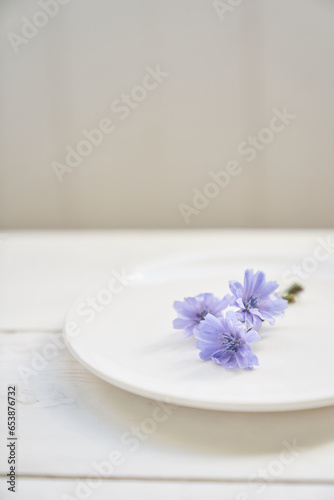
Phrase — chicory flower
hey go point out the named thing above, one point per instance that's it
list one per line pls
(225, 340)
(192, 310)
(256, 299)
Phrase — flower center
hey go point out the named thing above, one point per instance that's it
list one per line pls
(231, 343)
(251, 302)
(202, 314)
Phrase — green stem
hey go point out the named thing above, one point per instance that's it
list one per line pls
(292, 293)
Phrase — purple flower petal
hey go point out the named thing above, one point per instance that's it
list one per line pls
(256, 300)
(194, 309)
(208, 352)
(179, 323)
(269, 288)
(225, 340)
(252, 336)
(236, 288)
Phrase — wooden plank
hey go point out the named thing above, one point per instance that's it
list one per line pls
(43, 272)
(70, 423)
(75, 489)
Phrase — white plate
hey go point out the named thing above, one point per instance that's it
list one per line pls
(131, 343)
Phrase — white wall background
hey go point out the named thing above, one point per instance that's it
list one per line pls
(225, 77)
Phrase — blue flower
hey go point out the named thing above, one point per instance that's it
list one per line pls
(194, 309)
(225, 340)
(256, 300)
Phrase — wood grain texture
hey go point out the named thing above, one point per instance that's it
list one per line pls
(69, 422)
(40, 489)
(42, 273)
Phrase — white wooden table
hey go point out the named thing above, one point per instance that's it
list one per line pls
(70, 422)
